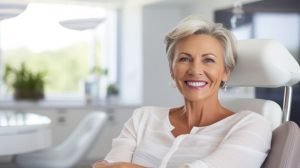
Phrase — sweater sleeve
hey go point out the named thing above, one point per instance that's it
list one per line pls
(124, 145)
(245, 146)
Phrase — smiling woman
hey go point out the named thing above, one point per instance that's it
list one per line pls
(198, 67)
(201, 133)
(39, 39)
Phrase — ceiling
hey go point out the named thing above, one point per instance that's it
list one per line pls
(117, 3)
(106, 3)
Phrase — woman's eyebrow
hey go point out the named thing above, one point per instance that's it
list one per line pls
(190, 55)
(208, 54)
(185, 53)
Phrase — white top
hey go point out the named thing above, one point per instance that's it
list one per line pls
(240, 140)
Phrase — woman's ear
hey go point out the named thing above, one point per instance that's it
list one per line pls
(171, 73)
(226, 75)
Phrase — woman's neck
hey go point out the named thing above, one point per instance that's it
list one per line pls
(203, 113)
(196, 114)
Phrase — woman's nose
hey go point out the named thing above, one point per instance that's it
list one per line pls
(195, 69)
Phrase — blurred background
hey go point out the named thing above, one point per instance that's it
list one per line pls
(109, 55)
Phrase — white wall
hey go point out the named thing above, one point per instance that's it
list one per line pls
(275, 26)
(131, 54)
(157, 21)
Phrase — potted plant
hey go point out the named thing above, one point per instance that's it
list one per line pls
(27, 85)
(112, 93)
(92, 84)
(112, 90)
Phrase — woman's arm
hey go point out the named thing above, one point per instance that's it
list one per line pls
(124, 145)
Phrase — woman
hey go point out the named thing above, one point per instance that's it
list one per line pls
(201, 133)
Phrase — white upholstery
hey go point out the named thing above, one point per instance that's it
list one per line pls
(267, 63)
(72, 150)
(264, 63)
(269, 109)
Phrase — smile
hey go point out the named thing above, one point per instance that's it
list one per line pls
(195, 84)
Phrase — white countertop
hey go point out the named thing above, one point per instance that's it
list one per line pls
(23, 132)
(59, 105)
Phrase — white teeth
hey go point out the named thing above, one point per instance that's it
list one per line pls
(196, 84)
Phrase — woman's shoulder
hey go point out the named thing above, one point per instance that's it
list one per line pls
(146, 115)
(252, 129)
(147, 111)
(252, 116)
(151, 108)
(253, 121)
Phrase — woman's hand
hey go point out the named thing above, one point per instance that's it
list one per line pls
(105, 164)
(100, 164)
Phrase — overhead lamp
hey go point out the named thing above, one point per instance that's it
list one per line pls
(9, 8)
(82, 24)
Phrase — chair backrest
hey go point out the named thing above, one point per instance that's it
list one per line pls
(285, 147)
(267, 63)
(269, 109)
(82, 138)
(262, 63)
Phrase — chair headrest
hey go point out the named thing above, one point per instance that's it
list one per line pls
(264, 63)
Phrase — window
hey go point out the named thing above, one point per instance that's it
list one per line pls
(37, 39)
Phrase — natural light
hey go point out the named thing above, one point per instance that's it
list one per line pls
(40, 18)
(37, 38)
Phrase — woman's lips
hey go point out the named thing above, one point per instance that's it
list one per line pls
(195, 83)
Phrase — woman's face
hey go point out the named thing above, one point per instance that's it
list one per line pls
(198, 67)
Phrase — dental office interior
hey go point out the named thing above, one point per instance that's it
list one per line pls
(108, 57)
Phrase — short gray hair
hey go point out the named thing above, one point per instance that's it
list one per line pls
(192, 25)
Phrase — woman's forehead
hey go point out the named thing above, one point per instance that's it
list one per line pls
(200, 43)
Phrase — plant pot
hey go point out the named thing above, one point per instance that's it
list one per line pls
(28, 95)
(112, 99)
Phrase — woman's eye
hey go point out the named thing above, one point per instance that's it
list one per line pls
(184, 59)
(209, 60)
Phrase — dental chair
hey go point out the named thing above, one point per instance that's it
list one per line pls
(267, 63)
(71, 151)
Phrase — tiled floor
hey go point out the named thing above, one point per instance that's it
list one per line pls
(8, 162)
(13, 165)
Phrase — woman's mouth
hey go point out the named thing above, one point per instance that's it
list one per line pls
(195, 84)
